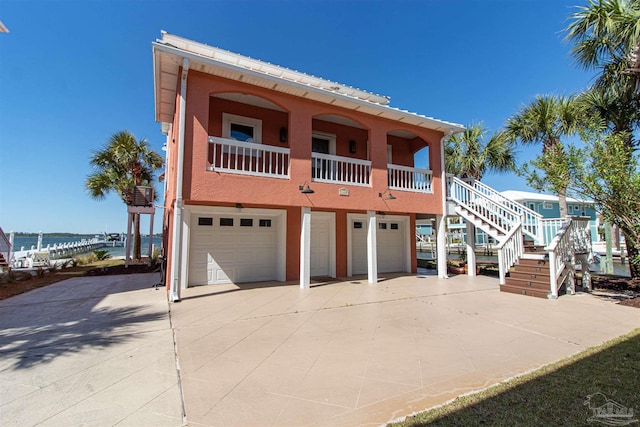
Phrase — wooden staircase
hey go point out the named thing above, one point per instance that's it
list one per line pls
(4, 265)
(530, 276)
(542, 271)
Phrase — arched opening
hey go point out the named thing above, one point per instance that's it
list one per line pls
(408, 162)
(339, 150)
(247, 134)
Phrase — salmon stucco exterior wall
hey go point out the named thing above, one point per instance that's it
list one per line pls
(201, 185)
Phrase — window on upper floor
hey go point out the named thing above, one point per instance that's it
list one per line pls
(547, 206)
(240, 128)
(323, 142)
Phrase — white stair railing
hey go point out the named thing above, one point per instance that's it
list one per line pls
(5, 247)
(509, 251)
(530, 218)
(500, 217)
(581, 234)
(550, 228)
(561, 258)
(493, 212)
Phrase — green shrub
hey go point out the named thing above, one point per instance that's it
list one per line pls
(101, 254)
(86, 259)
(155, 256)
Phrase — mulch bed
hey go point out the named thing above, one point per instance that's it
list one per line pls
(24, 281)
(622, 285)
(133, 268)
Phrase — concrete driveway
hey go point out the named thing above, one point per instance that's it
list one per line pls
(91, 351)
(349, 353)
(99, 351)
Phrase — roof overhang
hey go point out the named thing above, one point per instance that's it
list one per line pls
(169, 52)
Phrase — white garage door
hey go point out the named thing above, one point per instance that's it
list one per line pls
(321, 253)
(232, 249)
(390, 237)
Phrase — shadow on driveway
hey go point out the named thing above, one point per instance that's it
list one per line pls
(69, 316)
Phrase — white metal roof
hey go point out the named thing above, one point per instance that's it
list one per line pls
(520, 196)
(169, 51)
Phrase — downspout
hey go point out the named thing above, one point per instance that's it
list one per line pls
(442, 251)
(178, 204)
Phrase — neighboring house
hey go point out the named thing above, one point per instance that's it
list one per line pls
(549, 207)
(273, 174)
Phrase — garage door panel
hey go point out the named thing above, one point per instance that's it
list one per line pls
(220, 275)
(359, 249)
(233, 254)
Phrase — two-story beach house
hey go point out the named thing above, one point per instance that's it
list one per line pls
(276, 175)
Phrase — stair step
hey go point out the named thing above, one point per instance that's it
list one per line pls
(540, 271)
(528, 283)
(538, 256)
(538, 276)
(539, 264)
(524, 291)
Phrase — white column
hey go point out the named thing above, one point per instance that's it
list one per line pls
(471, 249)
(441, 245)
(178, 204)
(127, 249)
(305, 249)
(39, 247)
(176, 252)
(150, 238)
(372, 248)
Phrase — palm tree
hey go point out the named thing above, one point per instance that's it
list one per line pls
(546, 120)
(606, 36)
(468, 156)
(122, 164)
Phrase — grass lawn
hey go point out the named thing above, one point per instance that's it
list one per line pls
(553, 395)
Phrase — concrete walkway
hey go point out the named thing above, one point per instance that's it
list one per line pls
(352, 354)
(91, 351)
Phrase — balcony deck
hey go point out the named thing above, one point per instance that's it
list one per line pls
(246, 158)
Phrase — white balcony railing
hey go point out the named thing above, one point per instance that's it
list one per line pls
(247, 158)
(409, 179)
(340, 170)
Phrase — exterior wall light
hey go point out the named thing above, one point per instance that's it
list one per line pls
(305, 189)
(389, 195)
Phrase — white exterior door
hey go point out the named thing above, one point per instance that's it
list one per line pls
(358, 229)
(322, 244)
(392, 248)
(233, 248)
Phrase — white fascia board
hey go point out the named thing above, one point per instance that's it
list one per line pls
(429, 122)
(156, 85)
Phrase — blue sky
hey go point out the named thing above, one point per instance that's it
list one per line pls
(72, 73)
